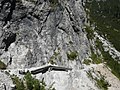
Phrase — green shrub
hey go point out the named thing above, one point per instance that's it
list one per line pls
(54, 57)
(90, 74)
(36, 85)
(29, 83)
(87, 61)
(72, 55)
(102, 83)
(90, 32)
(99, 80)
(52, 60)
(96, 59)
(18, 82)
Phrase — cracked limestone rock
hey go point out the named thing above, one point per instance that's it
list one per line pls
(37, 32)
(34, 33)
(5, 82)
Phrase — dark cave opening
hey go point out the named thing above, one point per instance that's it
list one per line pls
(12, 7)
(9, 16)
(9, 40)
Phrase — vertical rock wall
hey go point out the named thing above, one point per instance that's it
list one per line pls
(38, 31)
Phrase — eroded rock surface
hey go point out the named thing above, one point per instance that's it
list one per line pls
(5, 82)
(37, 32)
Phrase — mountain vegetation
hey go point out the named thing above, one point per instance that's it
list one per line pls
(29, 83)
(105, 15)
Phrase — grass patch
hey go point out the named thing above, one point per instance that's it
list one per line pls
(72, 55)
(2, 65)
(102, 83)
(90, 32)
(99, 80)
(53, 58)
(87, 61)
(96, 59)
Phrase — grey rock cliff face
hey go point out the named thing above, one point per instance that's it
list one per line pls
(5, 82)
(36, 32)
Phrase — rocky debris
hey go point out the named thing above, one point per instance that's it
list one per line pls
(109, 47)
(5, 82)
(112, 80)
